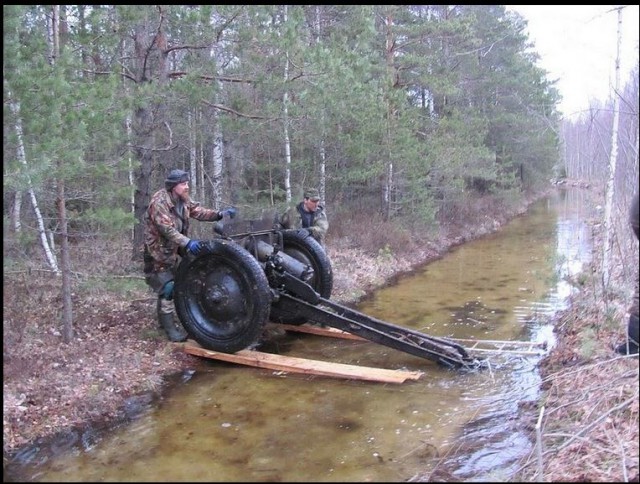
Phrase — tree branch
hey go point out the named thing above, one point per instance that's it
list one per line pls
(232, 111)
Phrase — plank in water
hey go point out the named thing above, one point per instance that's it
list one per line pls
(318, 330)
(301, 365)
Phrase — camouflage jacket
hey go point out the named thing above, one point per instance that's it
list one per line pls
(166, 230)
(297, 217)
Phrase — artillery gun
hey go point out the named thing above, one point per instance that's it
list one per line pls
(253, 272)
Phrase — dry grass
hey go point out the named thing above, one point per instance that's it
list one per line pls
(589, 408)
(591, 423)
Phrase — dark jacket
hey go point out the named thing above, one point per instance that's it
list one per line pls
(297, 217)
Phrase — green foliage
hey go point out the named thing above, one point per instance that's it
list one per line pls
(107, 220)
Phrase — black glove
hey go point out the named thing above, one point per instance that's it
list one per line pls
(231, 212)
(194, 246)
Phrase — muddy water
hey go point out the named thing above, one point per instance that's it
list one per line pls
(228, 423)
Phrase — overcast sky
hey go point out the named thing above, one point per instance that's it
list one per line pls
(577, 45)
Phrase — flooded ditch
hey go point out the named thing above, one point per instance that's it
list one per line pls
(231, 423)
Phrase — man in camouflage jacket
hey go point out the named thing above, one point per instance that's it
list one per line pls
(308, 214)
(166, 223)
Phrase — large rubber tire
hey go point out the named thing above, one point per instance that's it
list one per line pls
(303, 247)
(222, 297)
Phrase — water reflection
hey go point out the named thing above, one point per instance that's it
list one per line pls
(228, 423)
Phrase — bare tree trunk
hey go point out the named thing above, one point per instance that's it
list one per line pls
(287, 147)
(323, 154)
(608, 225)
(193, 153)
(218, 161)
(285, 109)
(387, 189)
(200, 155)
(16, 223)
(151, 62)
(323, 172)
(67, 305)
(130, 169)
(128, 123)
(141, 194)
(217, 154)
(58, 27)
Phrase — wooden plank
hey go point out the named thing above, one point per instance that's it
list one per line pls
(318, 330)
(301, 365)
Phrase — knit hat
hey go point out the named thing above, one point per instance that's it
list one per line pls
(175, 177)
(312, 194)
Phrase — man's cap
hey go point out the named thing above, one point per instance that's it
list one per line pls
(175, 176)
(312, 194)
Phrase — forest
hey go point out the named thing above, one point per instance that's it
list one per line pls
(407, 111)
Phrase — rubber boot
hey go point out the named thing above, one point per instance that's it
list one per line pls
(632, 338)
(174, 332)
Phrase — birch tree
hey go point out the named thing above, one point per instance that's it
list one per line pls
(612, 162)
(22, 159)
(13, 47)
(285, 119)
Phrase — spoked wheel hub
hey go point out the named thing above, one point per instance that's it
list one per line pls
(222, 297)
